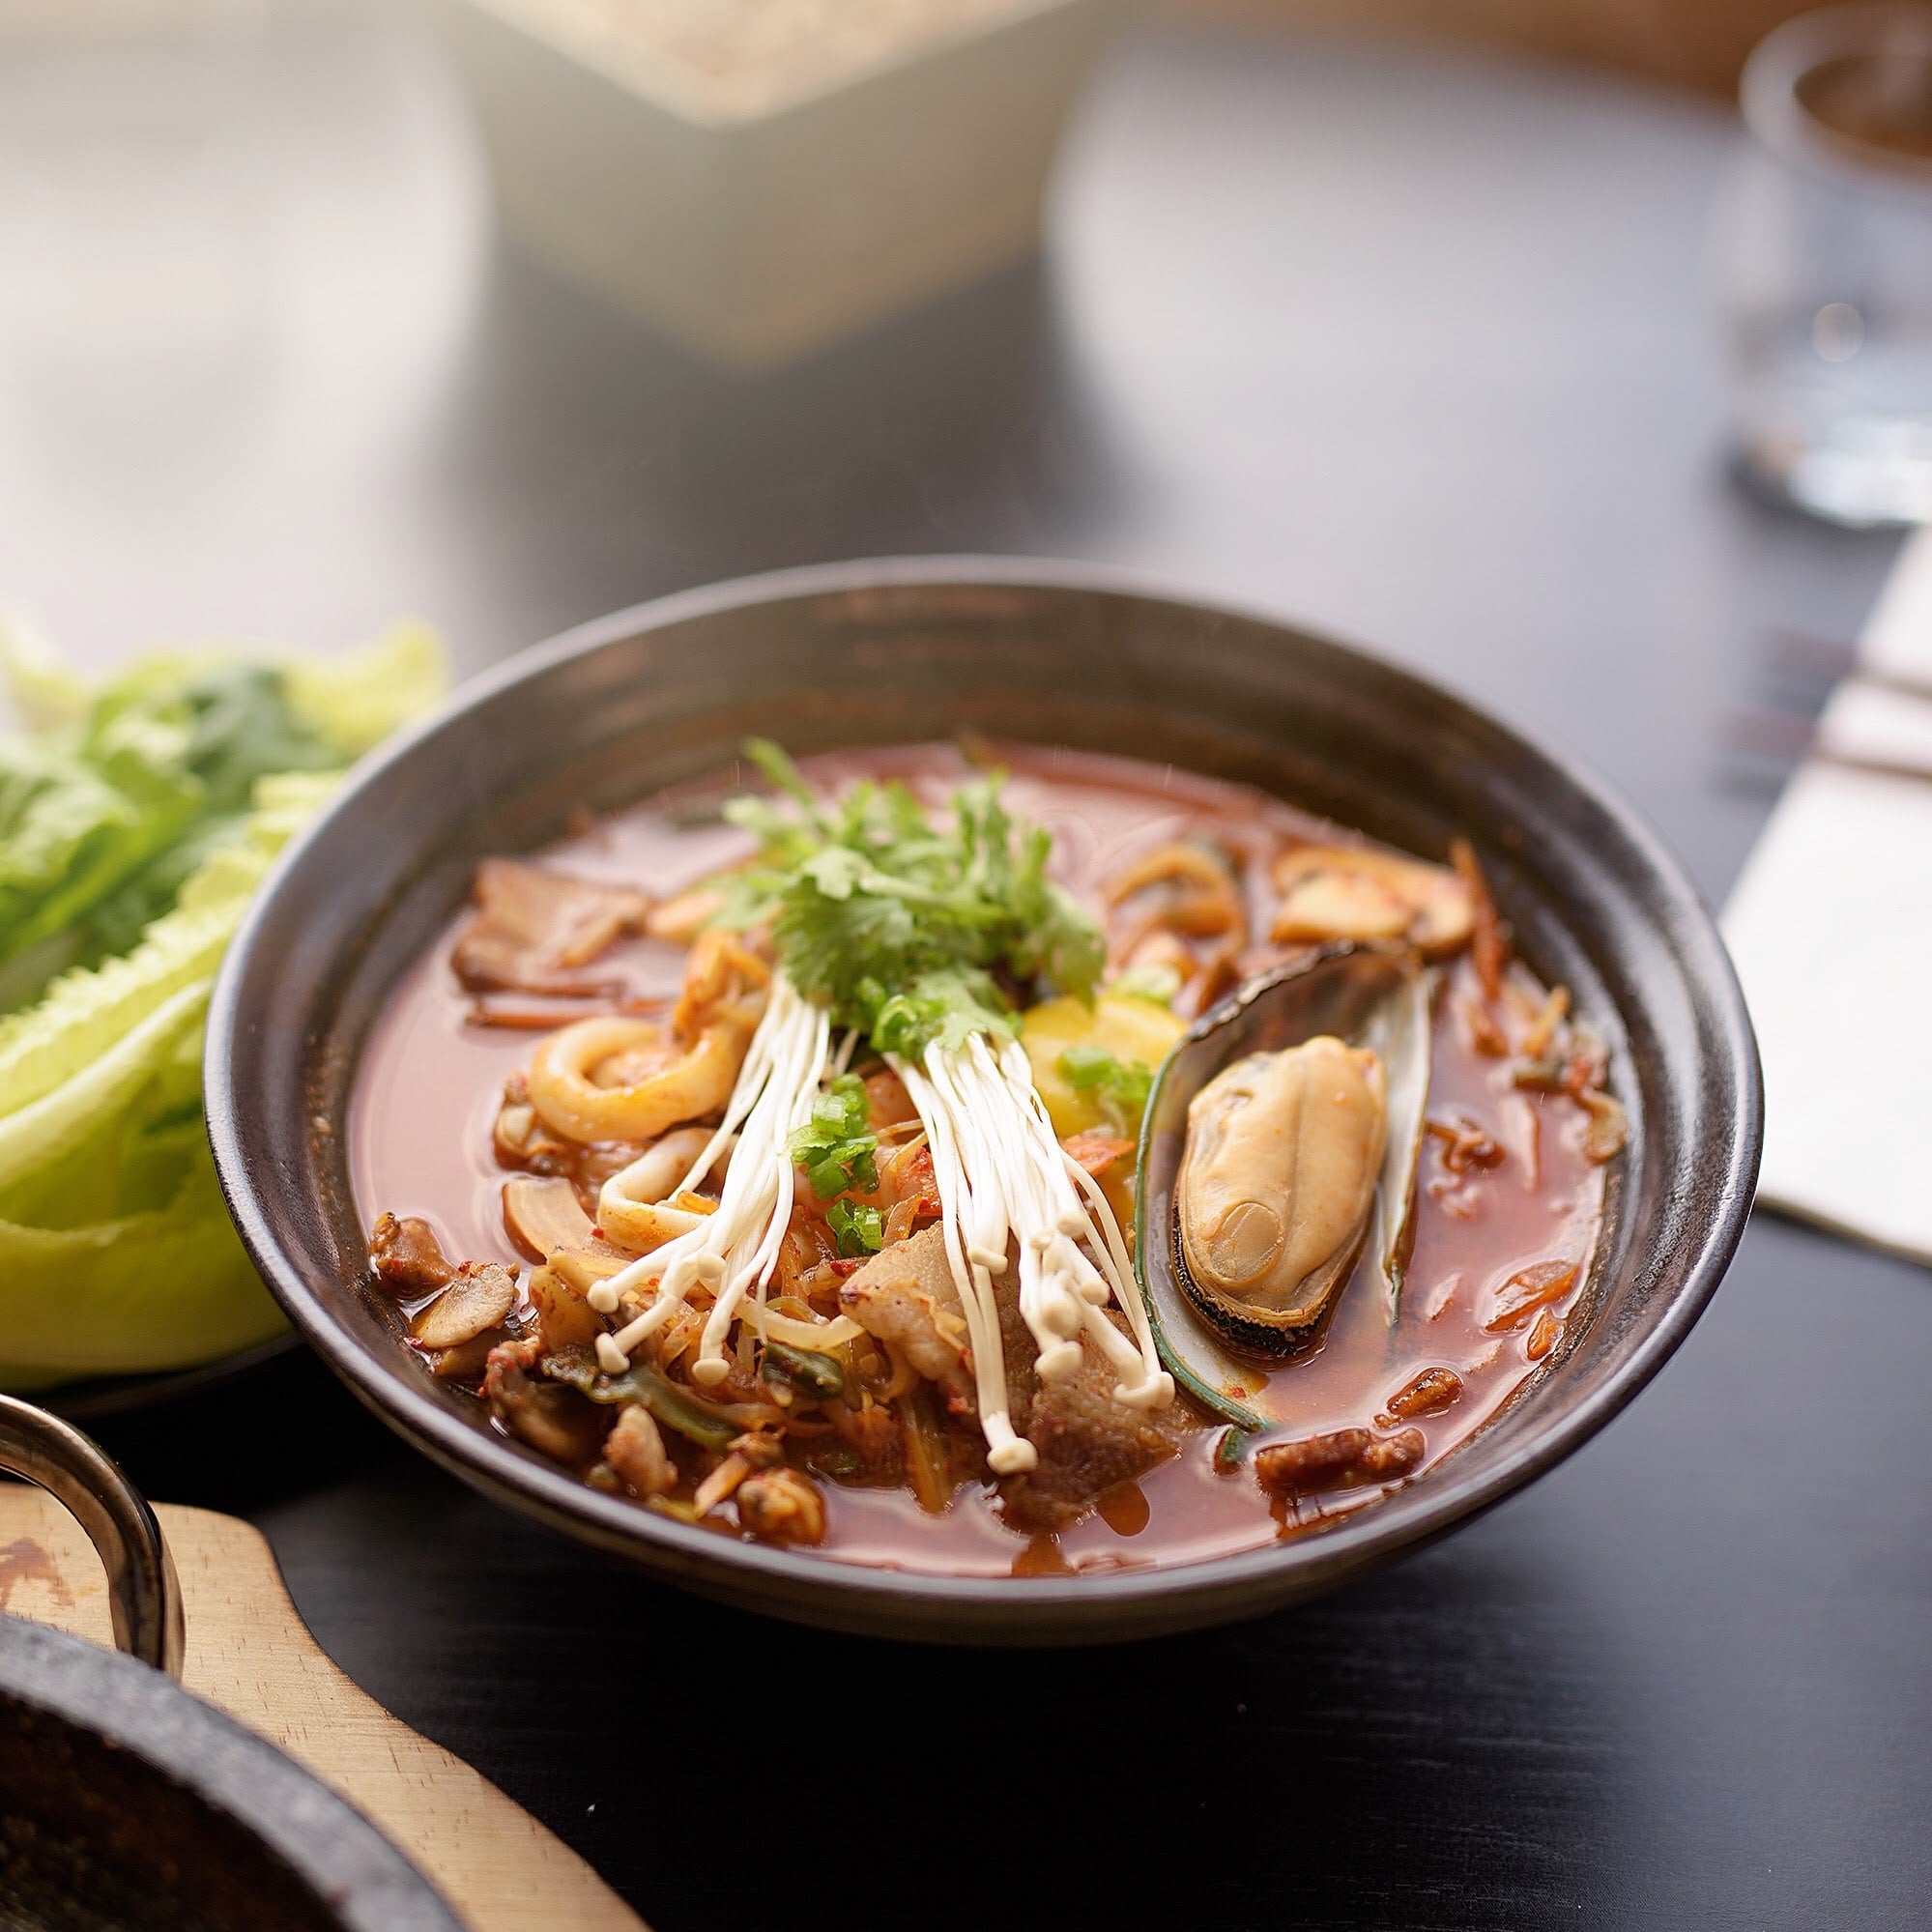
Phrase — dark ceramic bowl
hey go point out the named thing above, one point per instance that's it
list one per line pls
(922, 649)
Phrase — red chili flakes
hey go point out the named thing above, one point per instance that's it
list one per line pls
(1464, 1145)
(1490, 945)
(1427, 1394)
(1529, 1290)
(1544, 1335)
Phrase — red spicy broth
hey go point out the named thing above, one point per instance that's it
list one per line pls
(430, 1081)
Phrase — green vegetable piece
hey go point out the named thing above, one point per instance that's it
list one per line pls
(1121, 1088)
(804, 1370)
(116, 1253)
(835, 1148)
(354, 701)
(161, 1289)
(860, 1230)
(1231, 1451)
(644, 1386)
(1156, 983)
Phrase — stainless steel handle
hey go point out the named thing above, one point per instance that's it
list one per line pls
(142, 1590)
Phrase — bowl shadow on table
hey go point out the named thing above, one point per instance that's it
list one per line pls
(968, 424)
(281, 1431)
(1430, 1748)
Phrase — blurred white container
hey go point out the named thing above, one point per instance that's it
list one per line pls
(761, 176)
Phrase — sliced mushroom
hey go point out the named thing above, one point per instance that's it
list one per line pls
(407, 1258)
(536, 930)
(1357, 892)
(467, 1359)
(479, 1296)
(543, 1213)
(583, 1268)
(564, 1316)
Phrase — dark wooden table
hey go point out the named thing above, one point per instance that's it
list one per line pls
(1414, 347)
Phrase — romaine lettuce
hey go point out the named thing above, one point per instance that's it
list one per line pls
(123, 790)
(135, 826)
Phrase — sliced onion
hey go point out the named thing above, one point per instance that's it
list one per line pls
(771, 1326)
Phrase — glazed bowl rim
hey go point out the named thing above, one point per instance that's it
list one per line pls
(1453, 1493)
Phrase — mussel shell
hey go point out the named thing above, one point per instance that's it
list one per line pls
(1345, 990)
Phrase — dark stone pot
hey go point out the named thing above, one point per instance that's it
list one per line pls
(125, 1801)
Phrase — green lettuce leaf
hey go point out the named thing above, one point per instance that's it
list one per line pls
(116, 1251)
(161, 1289)
(136, 821)
(86, 1011)
(127, 788)
(353, 702)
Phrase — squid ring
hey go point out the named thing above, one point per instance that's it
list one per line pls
(698, 1082)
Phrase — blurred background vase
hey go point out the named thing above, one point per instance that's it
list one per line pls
(1826, 256)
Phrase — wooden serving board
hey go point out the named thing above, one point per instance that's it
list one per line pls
(251, 1653)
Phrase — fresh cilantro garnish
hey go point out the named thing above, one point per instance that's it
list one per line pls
(898, 924)
(835, 1148)
(948, 1006)
(860, 1230)
(1121, 1087)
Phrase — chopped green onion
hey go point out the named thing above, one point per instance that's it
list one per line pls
(860, 1230)
(835, 1148)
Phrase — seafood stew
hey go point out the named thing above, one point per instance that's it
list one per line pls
(780, 1168)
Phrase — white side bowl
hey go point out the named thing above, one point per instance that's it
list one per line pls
(757, 214)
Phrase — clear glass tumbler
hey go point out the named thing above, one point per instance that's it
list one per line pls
(1827, 264)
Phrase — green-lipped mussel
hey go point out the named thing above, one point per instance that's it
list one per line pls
(1280, 1139)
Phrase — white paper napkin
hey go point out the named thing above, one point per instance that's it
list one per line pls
(1831, 926)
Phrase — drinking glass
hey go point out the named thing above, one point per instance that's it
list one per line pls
(1827, 265)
